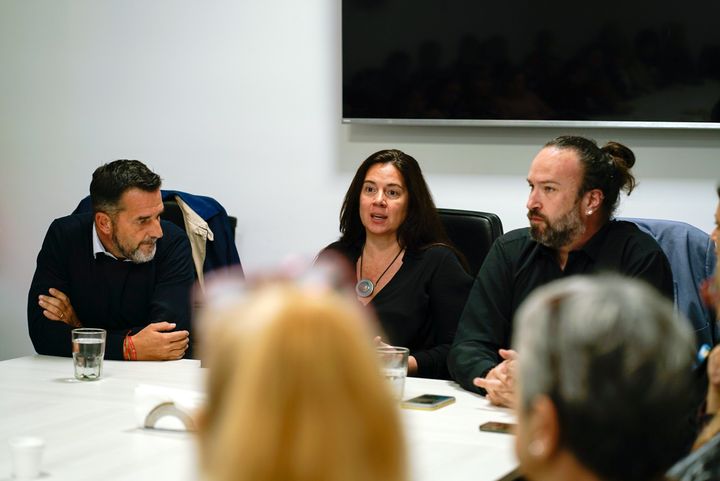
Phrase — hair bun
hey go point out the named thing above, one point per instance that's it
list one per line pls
(620, 153)
(622, 159)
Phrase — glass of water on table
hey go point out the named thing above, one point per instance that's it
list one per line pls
(394, 365)
(88, 350)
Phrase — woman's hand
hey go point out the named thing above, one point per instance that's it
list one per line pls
(412, 362)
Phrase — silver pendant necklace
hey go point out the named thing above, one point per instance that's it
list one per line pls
(365, 287)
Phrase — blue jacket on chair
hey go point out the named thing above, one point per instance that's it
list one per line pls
(691, 253)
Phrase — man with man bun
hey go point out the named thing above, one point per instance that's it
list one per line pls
(574, 191)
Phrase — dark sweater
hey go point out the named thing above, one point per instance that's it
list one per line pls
(420, 306)
(115, 295)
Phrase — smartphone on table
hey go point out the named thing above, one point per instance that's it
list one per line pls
(428, 402)
(498, 427)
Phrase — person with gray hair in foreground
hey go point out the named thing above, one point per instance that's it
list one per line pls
(604, 375)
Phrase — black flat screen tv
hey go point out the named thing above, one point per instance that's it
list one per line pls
(553, 62)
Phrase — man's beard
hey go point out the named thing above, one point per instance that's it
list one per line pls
(136, 255)
(560, 233)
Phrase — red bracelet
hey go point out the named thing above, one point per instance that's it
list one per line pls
(132, 353)
(129, 353)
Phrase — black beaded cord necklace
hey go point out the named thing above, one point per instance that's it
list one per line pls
(365, 287)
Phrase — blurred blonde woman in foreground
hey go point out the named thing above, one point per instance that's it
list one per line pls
(295, 392)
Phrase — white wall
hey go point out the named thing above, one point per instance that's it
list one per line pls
(485, 168)
(240, 100)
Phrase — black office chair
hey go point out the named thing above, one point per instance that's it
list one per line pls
(472, 233)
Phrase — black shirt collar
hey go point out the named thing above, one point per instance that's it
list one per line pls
(594, 246)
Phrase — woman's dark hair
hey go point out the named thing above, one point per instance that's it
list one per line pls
(422, 226)
(606, 168)
(112, 180)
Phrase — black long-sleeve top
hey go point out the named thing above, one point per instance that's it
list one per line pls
(420, 306)
(111, 294)
(516, 265)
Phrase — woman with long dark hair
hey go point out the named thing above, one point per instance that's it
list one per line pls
(405, 266)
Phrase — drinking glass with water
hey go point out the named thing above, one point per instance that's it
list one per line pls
(88, 350)
(394, 365)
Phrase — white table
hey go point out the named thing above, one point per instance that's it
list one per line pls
(91, 429)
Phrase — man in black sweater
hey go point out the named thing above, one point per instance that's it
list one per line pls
(574, 190)
(120, 268)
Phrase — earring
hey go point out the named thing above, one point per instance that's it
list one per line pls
(536, 448)
(589, 212)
